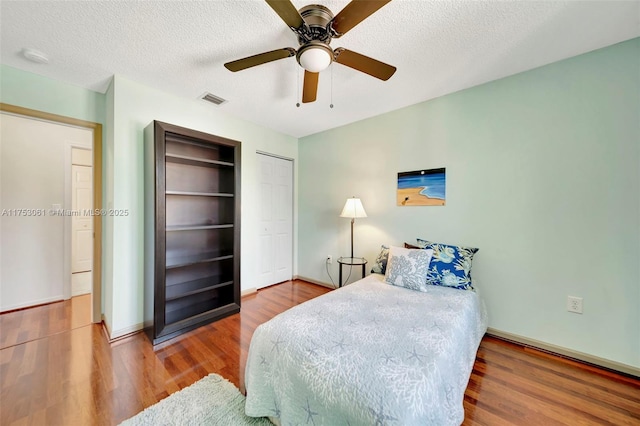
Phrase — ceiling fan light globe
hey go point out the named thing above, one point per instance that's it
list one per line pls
(315, 59)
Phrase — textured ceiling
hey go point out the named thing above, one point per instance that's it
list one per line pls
(180, 47)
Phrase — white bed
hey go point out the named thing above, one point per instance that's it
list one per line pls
(369, 353)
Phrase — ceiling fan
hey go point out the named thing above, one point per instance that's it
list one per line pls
(315, 26)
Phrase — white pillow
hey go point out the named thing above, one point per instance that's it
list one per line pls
(408, 268)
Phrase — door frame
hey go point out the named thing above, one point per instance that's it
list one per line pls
(96, 293)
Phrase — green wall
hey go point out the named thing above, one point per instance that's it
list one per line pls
(45, 94)
(542, 175)
(134, 107)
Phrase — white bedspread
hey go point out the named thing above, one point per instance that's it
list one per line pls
(367, 354)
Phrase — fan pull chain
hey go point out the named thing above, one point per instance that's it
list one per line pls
(297, 70)
(331, 104)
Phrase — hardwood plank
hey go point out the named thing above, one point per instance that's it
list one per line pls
(531, 361)
(54, 371)
(542, 379)
(530, 406)
(24, 325)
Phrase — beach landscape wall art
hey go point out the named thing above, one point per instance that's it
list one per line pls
(422, 188)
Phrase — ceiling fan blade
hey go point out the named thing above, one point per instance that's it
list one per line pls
(354, 13)
(287, 12)
(310, 88)
(259, 59)
(364, 64)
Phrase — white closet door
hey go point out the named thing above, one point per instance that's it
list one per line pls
(276, 220)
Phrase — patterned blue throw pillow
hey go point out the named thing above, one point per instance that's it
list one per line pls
(450, 265)
(380, 265)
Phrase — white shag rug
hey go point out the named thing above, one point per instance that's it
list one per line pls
(212, 400)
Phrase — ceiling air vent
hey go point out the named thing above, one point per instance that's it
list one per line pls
(213, 98)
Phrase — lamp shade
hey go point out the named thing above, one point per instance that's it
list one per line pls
(315, 59)
(314, 56)
(353, 208)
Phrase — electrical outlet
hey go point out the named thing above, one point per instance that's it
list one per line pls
(574, 304)
(329, 258)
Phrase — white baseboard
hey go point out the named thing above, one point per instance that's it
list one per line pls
(105, 326)
(117, 334)
(81, 283)
(312, 281)
(248, 291)
(127, 330)
(569, 353)
(32, 303)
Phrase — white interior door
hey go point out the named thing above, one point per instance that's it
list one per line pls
(81, 224)
(276, 220)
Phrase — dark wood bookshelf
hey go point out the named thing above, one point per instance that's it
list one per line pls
(206, 257)
(193, 287)
(196, 227)
(192, 229)
(200, 194)
(195, 161)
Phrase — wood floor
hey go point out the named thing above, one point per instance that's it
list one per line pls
(57, 370)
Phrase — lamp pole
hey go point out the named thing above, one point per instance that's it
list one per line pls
(352, 221)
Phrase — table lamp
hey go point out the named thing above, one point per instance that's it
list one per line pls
(353, 208)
